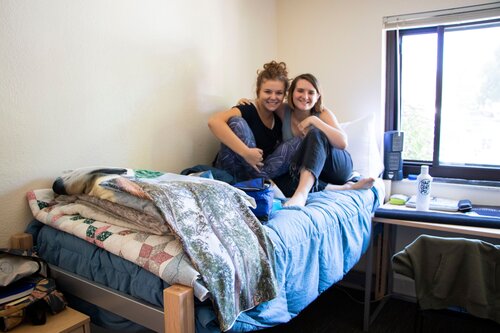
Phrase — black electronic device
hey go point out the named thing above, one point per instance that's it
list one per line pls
(393, 159)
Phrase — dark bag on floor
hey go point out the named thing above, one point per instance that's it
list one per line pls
(26, 290)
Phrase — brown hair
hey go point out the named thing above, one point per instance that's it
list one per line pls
(273, 71)
(318, 107)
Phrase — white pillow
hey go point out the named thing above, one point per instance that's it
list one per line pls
(362, 145)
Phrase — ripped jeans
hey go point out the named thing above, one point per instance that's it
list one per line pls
(276, 164)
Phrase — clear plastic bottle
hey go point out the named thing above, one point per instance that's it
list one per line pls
(424, 181)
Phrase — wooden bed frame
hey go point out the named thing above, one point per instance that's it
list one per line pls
(177, 315)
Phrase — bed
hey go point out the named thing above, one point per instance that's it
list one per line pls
(131, 276)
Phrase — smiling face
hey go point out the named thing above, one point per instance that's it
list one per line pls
(304, 95)
(271, 94)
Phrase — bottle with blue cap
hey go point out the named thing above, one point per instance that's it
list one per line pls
(424, 181)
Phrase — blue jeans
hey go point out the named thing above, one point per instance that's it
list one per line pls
(328, 164)
(276, 164)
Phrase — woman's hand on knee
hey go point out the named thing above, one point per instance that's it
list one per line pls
(254, 157)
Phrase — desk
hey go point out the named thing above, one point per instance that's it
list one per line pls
(368, 317)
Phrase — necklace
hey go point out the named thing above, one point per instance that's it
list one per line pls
(272, 122)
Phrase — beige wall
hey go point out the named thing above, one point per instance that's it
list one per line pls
(121, 83)
(341, 43)
(131, 83)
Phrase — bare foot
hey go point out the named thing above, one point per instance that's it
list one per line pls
(298, 199)
(363, 184)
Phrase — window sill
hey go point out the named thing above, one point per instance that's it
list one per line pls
(478, 194)
(467, 182)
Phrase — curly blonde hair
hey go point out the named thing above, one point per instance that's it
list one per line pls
(273, 71)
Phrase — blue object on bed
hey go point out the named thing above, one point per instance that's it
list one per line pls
(314, 246)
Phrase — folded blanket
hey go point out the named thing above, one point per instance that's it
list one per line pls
(161, 255)
(71, 205)
(223, 238)
(141, 220)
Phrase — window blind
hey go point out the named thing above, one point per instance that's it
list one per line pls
(443, 17)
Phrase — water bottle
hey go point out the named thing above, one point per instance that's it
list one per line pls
(424, 181)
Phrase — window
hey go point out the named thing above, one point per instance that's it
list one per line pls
(443, 92)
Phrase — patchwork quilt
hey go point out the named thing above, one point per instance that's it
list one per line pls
(188, 230)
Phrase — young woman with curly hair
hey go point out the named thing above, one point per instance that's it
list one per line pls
(251, 134)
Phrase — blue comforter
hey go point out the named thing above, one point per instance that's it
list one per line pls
(315, 246)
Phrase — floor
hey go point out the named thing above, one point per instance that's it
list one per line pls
(340, 309)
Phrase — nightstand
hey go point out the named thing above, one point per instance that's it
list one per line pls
(66, 321)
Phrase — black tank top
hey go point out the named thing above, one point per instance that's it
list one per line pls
(266, 139)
